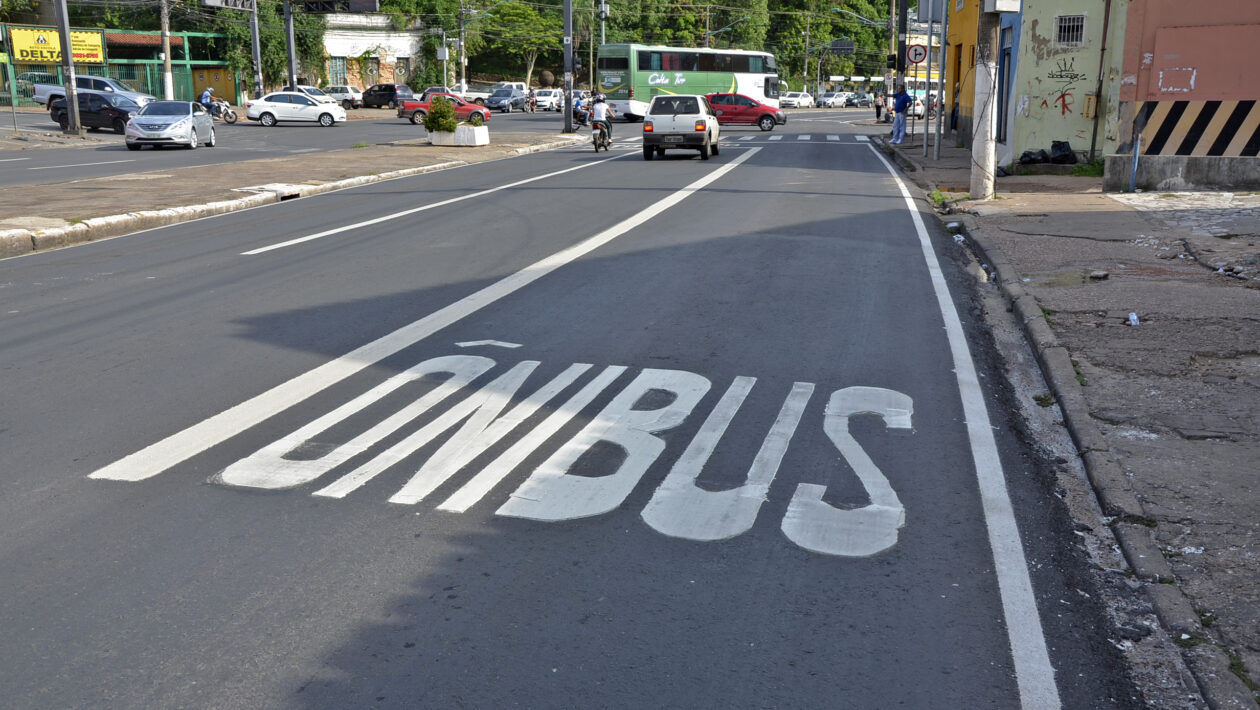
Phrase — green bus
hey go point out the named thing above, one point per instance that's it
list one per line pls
(631, 74)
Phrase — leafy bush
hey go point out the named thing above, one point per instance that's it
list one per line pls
(441, 116)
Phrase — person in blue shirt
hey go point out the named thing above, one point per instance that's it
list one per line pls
(901, 104)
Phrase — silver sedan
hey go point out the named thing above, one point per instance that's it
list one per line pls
(160, 123)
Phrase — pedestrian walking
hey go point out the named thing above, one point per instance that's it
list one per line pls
(901, 104)
(879, 106)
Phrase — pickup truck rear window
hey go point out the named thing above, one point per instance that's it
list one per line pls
(670, 106)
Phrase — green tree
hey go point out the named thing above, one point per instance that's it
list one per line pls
(524, 32)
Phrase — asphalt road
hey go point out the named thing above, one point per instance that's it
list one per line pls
(605, 433)
(107, 154)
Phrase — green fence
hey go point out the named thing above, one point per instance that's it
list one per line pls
(143, 75)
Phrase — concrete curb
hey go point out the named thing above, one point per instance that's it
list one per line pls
(17, 242)
(1130, 525)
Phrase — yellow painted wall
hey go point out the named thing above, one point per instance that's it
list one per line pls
(960, 61)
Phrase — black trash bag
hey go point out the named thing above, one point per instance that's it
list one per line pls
(1034, 156)
(1061, 153)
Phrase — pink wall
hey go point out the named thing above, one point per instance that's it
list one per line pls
(1187, 50)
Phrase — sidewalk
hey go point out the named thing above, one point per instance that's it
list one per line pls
(1166, 412)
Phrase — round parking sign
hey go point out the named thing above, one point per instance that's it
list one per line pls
(916, 53)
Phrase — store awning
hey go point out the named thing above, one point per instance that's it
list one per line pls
(857, 78)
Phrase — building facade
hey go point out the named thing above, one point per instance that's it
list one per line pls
(365, 49)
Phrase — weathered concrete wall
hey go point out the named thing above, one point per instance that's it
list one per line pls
(1053, 78)
(1189, 83)
(1166, 173)
(960, 69)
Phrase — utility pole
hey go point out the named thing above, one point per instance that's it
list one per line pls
(940, 115)
(67, 66)
(253, 36)
(463, 56)
(603, 15)
(288, 33)
(984, 129)
(568, 66)
(805, 64)
(168, 81)
(927, 124)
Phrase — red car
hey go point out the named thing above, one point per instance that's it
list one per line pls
(464, 111)
(737, 108)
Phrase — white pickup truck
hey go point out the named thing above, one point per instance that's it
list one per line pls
(479, 96)
(45, 94)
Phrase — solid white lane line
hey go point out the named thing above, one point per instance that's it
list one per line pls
(1033, 672)
(80, 165)
(412, 211)
(158, 457)
(12, 160)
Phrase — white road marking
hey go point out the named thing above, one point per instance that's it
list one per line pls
(776, 138)
(178, 447)
(747, 138)
(863, 139)
(1034, 674)
(494, 473)
(496, 343)
(804, 137)
(856, 532)
(80, 165)
(680, 508)
(551, 493)
(833, 137)
(414, 210)
(12, 160)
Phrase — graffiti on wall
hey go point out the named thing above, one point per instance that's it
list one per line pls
(1066, 78)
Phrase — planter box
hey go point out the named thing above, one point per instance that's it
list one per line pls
(463, 135)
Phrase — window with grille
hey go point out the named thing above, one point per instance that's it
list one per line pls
(1070, 30)
(337, 70)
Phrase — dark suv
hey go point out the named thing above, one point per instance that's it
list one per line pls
(387, 95)
(97, 111)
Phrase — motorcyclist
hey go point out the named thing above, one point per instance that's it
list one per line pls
(210, 101)
(600, 113)
(578, 112)
(531, 100)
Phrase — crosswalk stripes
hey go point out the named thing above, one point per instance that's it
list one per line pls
(636, 142)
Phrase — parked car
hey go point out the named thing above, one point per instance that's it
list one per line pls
(681, 121)
(312, 92)
(831, 99)
(161, 123)
(549, 99)
(740, 109)
(796, 99)
(97, 111)
(45, 94)
(386, 95)
(474, 94)
(415, 110)
(292, 106)
(506, 100)
(349, 96)
(865, 101)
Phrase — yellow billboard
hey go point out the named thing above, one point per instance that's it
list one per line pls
(43, 46)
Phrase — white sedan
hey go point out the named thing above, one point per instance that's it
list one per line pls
(292, 106)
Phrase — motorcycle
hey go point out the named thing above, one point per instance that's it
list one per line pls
(531, 104)
(599, 136)
(223, 111)
(579, 116)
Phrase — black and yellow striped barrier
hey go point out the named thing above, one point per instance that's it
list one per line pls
(1199, 128)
